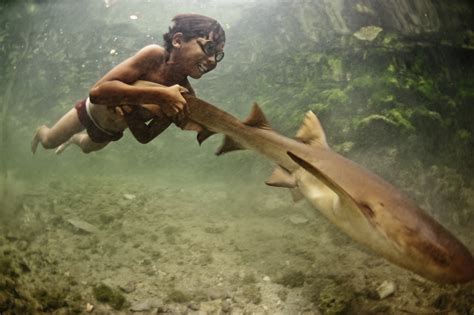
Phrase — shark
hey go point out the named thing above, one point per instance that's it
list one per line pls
(370, 210)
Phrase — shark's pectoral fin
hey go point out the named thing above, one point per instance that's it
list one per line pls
(203, 135)
(311, 131)
(202, 132)
(347, 201)
(229, 145)
(281, 178)
(257, 118)
(296, 194)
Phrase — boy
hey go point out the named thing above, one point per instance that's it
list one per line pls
(193, 46)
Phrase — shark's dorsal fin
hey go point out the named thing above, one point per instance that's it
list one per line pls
(344, 196)
(257, 118)
(311, 131)
(229, 145)
(281, 178)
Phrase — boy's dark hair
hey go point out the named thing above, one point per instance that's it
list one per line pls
(194, 26)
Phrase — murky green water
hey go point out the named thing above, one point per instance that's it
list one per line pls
(168, 227)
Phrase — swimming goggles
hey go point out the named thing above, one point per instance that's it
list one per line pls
(209, 48)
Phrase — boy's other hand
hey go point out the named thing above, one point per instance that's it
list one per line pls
(120, 110)
(175, 102)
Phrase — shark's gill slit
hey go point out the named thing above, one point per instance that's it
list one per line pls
(368, 212)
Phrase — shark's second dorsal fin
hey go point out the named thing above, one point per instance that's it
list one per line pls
(257, 118)
(311, 131)
(281, 178)
(229, 145)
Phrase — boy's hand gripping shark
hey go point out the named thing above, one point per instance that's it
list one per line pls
(363, 205)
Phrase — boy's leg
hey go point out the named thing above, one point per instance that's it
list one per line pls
(64, 129)
(83, 141)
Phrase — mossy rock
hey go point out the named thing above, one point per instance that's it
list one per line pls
(12, 299)
(334, 299)
(292, 279)
(283, 294)
(463, 299)
(171, 230)
(105, 294)
(7, 269)
(178, 296)
(249, 279)
(50, 300)
(335, 96)
(252, 294)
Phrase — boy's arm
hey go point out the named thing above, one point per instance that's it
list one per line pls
(116, 88)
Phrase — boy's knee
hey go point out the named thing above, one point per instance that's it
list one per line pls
(49, 143)
(87, 150)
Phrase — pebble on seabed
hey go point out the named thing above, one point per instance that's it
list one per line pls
(89, 307)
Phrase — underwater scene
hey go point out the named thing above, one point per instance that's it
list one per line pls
(237, 157)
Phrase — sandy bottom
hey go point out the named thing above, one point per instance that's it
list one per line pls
(214, 247)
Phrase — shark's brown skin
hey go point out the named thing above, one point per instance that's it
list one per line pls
(359, 202)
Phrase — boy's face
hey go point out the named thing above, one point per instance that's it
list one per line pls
(199, 55)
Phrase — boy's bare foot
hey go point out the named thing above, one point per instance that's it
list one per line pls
(35, 141)
(63, 147)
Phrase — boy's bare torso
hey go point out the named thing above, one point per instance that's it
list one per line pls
(108, 118)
